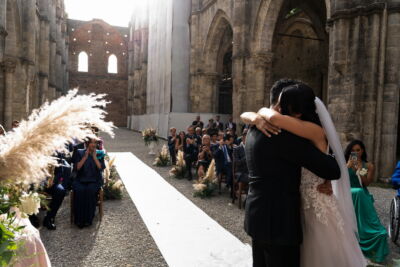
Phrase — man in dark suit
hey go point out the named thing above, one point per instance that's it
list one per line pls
(218, 124)
(273, 205)
(230, 124)
(198, 123)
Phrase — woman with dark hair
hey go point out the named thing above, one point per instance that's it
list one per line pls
(328, 232)
(89, 164)
(372, 234)
(179, 141)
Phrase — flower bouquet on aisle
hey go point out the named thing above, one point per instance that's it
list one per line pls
(149, 136)
(178, 171)
(113, 186)
(205, 186)
(163, 158)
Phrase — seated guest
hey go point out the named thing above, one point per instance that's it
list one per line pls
(171, 144)
(203, 131)
(233, 134)
(214, 139)
(198, 123)
(190, 150)
(224, 152)
(239, 155)
(89, 179)
(211, 129)
(179, 141)
(230, 124)
(240, 139)
(372, 234)
(205, 156)
(58, 189)
(199, 135)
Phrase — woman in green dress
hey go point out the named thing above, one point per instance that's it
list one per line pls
(372, 234)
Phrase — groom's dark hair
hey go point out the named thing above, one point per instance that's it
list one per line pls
(277, 88)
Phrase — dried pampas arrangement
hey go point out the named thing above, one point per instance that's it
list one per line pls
(26, 152)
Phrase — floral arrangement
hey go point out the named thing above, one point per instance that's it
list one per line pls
(178, 171)
(163, 158)
(205, 187)
(113, 186)
(363, 172)
(149, 135)
(26, 153)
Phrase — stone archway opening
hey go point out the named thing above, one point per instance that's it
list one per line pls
(224, 69)
(301, 44)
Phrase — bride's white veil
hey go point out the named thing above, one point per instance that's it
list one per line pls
(341, 187)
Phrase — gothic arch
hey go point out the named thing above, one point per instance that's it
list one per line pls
(13, 28)
(267, 20)
(218, 27)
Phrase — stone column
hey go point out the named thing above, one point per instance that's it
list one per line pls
(3, 32)
(52, 71)
(9, 69)
(259, 80)
(44, 59)
(29, 30)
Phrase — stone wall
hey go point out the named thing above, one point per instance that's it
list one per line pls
(347, 50)
(100, 41)
(33, 57)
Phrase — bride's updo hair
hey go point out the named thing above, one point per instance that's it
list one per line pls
(299, 99)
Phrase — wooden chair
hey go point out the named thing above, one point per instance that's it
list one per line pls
(100, 200)
(239, 188)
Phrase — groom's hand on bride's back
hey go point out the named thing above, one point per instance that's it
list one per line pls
(265, 127)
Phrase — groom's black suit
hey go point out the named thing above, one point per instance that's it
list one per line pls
(273, 205)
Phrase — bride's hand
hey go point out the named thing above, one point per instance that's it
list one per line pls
(325, 188)
(267, 128)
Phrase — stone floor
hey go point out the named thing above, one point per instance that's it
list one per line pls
(122, 239)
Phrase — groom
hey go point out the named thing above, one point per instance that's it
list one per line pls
(273, 205)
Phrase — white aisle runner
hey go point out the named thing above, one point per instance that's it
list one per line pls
(185, 235)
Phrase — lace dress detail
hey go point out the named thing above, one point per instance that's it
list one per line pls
(319, 204)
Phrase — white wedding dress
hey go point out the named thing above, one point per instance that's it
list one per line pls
(327, 241)
(329, 222)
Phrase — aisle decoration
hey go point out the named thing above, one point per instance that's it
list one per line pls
(163, 158)
(178, 171)
(150, 139)
(26, 157)
(205, 187)
(113, 186)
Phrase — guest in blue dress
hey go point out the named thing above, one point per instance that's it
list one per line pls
(89, 164)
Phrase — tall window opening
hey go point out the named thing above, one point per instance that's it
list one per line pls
(112, 64)
(83, 59)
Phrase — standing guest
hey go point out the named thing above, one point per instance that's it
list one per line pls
(180, 141)
(210, 123)
(372, 234)
(87, 184)
(211, 129)
(190, 150)
(244, 133)
(171, 144)
(218, 124)
(2, 130)
(203, 131)
(198, 123)
(205, 156)
(198, 135)
(231, 124)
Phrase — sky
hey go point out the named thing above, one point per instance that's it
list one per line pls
(114, 12)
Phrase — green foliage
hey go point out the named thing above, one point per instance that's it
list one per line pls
(8, 243)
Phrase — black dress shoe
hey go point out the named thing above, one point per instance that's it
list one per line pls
(34, 221)
(49, 223)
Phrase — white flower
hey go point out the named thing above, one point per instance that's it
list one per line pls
(363, 172)
(30, 203)
(199, 187)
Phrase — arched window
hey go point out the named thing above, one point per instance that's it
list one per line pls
(112, 64)
(83, 59)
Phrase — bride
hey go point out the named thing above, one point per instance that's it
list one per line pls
(329, 223)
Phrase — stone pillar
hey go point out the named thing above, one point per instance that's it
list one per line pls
(259, 80)
(9, 69)
(29, 30)
(52, 71)
(3, 32)
(44, 59)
